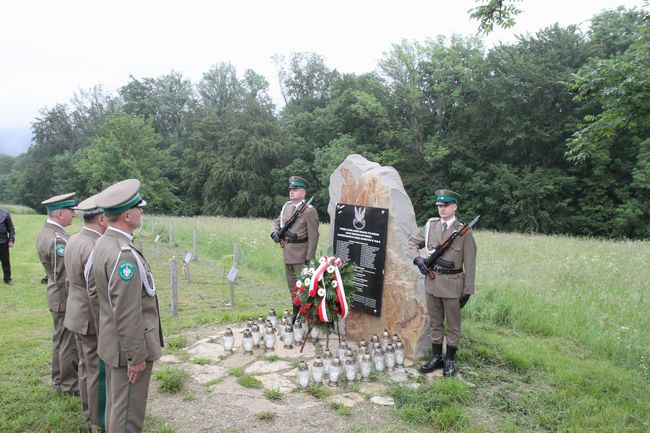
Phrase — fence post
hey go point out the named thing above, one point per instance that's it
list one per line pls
(195, 240)
(174, 285)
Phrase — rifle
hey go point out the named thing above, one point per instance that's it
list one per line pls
(282, 233)
(435, 257)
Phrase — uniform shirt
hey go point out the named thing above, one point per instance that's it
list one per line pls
(305, 227)
(462, 252)
(50, 246)
(129, 319)
(7, 231)
(79, 317)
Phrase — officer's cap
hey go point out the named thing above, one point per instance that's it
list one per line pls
(89, 206)
(120, 197)
(60, 202)
(446, 196)
(298, 182)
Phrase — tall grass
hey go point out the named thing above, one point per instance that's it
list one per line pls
(17, 209)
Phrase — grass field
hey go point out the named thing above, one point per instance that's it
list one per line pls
(557, 337)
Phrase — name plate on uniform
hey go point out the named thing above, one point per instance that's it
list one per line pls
(360, 237)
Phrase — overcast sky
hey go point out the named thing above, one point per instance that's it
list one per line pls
(50, 49)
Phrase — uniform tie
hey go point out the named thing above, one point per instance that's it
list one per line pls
(444, 227)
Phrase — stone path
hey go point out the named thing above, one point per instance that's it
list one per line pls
(213, 401)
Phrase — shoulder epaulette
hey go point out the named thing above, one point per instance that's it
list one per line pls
(434, 219)
(125, 247)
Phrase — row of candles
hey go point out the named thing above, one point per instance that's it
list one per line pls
(385, 353)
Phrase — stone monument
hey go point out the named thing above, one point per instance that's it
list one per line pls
(357, 181)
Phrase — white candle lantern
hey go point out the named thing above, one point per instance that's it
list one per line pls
(250, 323)
(379, 360)
(342, 349)
(269, 338)
(283, 324)
(350, 370)
(288, 337)
(374, 339)
(303, 375)
(385, 339)
(399, 354)
(257, 335)
(228, 341)
(389, 357)
(272, 317)
(365, 366)
(335, 372)
(327, 361)
(247, 342)
(298, 332)
(313, 334)
(317, 371)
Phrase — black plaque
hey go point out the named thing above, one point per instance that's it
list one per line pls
(360, 237)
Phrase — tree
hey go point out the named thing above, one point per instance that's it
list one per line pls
(495, 12)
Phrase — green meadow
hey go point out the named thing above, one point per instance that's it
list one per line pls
(556, 339)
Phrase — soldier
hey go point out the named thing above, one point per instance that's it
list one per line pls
(300, 241)
(7, 239)
(50, 246)
(448, 292)
(82, 311)
(130, 335)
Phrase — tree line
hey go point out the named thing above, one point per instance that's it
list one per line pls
(549, 134)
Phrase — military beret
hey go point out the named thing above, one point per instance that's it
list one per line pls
(298, 182)
(60, 202)
(89, 206)
(446, 196)
(120, 197)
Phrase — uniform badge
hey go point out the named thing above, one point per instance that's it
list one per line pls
(59, 250)
(126, 271)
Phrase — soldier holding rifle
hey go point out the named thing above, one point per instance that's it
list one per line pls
(450, 271)
(296, 230)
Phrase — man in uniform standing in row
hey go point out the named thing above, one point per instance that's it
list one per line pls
(7, 239)
(130, 334)
(301, 239)
(451, 287)
(50, 246)
(82, 311)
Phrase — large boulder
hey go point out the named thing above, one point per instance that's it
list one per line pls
(361, 182)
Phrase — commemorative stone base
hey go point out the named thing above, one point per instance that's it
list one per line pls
(360, 182)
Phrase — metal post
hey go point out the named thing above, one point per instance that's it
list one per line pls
(171, 233)
(195, 240)
(232, 283)
(174, 285)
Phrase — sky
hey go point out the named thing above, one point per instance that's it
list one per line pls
(51, 49)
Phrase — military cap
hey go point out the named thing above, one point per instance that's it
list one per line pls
(89, 206)
(298, 182)
(60, 202)
(446, 196)
(120, 197)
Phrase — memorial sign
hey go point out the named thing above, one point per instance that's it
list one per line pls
(360, 237)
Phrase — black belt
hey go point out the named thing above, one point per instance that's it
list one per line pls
(443, 271)
(296, 241)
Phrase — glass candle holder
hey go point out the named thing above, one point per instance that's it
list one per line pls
(342, 349)
(272, 317)
(350, 370)
(269, 338)
(335, 372)
(298, 332)
(283, 324)
(249, 323)
(303, 375)
(317, 371)
(395, 339)
(257, 335)
(374, 339)
(399, 354)
(260, 320)
(228, 341)
(327, 361)
(365, 366)
(313, 334)
(247, 342)
(288, 337)
(389, 357)
(385, 339)
(379, 360)
(373, 350)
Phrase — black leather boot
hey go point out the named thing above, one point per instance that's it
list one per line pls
(450, 362)
(436, 360)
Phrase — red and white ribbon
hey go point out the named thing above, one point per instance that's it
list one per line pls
(325, 263)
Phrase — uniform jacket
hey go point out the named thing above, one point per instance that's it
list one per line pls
(305, 227)
(129, 319)
(79, 313)
(7, 232)
(462, 252)
(50, 246)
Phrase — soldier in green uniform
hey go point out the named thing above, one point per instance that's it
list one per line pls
(130, 335)
(451, 288)
(82, 311)
(50, 246)
(301, 240)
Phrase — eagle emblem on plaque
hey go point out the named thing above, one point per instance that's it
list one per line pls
(359, 221)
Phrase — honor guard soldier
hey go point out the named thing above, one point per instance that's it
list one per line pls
(50, 246)
(130, 335)
(82, 311)
(451, 286)
(7, 239)
(298, 223)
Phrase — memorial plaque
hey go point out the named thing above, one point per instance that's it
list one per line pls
(360, 237)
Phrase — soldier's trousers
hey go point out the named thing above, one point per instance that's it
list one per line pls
(6, 262)
(440, 309)
(291, 271)
(64, 356)
(91, 401)
(127, 402)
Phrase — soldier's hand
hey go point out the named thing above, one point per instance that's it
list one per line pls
(275, 237)
(421, 264)
(11, 244)
(463, 300)
(135, 371)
